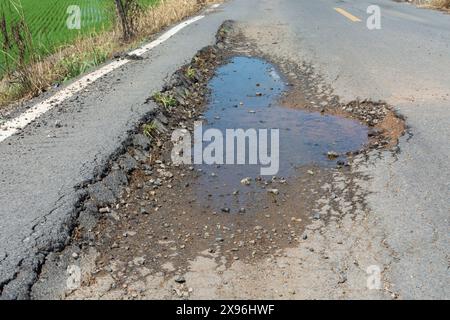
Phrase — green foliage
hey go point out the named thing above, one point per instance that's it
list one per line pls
(75, 65)
(149, 129)
(167, 100)
(190, 72)
(46, 21)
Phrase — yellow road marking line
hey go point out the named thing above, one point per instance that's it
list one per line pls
(347, 15)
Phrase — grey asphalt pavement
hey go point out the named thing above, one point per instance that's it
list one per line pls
(405, 63)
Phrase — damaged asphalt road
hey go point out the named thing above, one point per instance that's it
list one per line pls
(390, 209)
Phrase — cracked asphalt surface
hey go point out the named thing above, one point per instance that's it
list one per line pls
(402, 64)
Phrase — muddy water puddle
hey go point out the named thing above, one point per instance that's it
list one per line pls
(245, 94)
(209, 211)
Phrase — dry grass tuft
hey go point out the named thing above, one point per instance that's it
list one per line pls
(436, 4)
(77, 58)
(442, 4)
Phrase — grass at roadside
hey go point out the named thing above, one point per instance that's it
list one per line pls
(443, 4)
(47, 23)
(436, 4)
(53, 23)
(87, 49)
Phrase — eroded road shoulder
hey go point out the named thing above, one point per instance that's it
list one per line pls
(152, 229)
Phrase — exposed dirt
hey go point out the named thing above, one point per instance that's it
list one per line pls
(153, 238)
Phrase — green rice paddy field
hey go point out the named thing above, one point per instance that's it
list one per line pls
(47, 21)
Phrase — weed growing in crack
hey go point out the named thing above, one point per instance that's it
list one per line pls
(167, 100)
(149, 129)
(187, 93)
(190, 72)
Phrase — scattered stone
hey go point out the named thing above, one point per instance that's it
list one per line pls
(128, 163)
(140, 156)
(104, 210)
(332, 155)
(273, 191)
(161, 117)
(180, 279)
(138, 261)
(142, 142)
(225, 209)
(106, 191)
(114, 216)
(100, 194)
(246, 181)
(160, 127)
(165, 174)
(75, 255)
(129, 234)
(373, 132)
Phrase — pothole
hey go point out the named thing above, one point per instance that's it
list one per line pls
(170, 214)
(245, 93)
(165, 215)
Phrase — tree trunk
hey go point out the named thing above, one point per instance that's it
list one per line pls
(127, 33)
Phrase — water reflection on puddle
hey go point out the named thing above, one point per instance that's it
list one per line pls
(244, 94)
